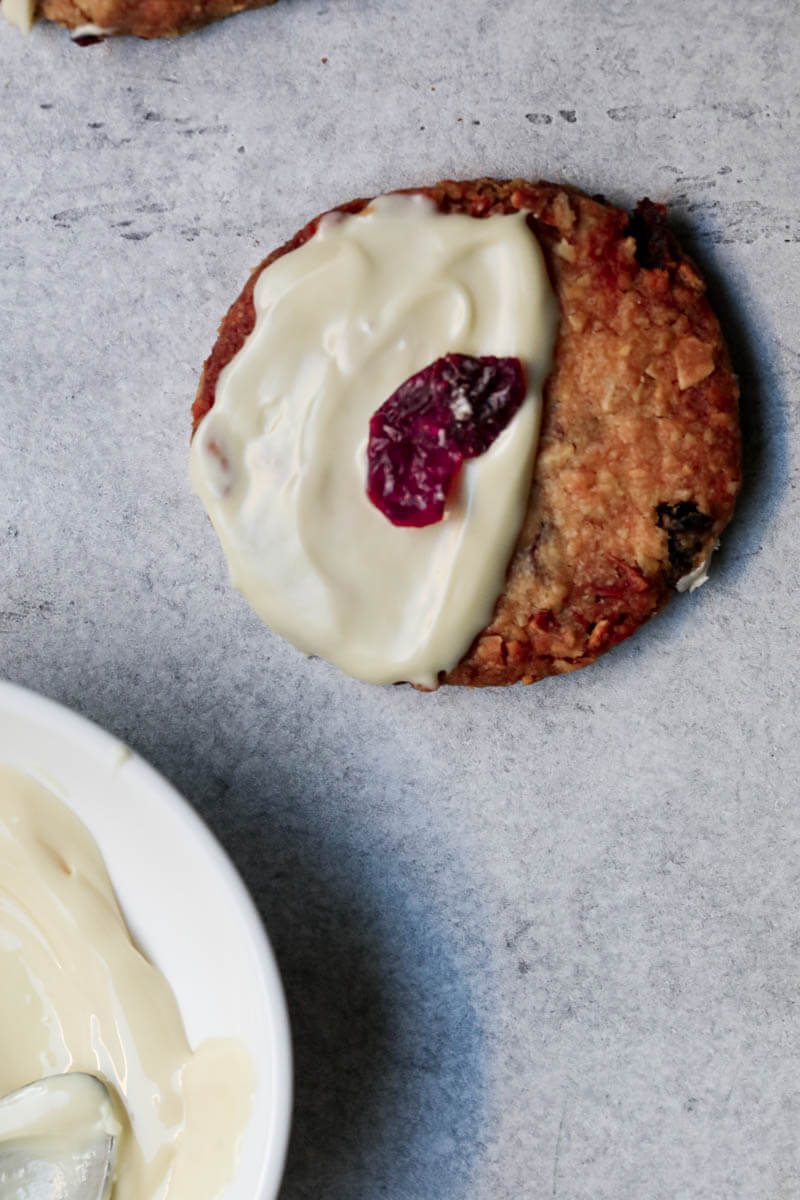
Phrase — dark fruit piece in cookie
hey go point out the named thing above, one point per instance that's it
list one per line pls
(418, 438)
(687, 528)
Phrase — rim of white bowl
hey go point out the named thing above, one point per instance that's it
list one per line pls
(98, 742)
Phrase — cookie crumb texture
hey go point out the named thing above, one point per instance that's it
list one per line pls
(140, 18)
(639, 459)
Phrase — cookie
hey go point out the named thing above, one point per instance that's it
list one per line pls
(93, 20)
(638, 460)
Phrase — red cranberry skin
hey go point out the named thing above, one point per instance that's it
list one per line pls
(452, 410)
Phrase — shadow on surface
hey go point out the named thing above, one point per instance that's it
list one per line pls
(386, 1043)
(763, 411)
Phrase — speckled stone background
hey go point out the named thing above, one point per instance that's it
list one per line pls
(536, 943)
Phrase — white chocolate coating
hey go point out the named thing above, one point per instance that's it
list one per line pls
(19, 13)
(279, 462)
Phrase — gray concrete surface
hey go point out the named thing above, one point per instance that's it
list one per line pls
(536, 943)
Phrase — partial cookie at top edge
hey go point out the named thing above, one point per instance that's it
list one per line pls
(93, 20)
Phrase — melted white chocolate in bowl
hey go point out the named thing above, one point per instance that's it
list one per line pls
(77, 995)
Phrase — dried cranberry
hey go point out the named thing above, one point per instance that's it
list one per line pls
(418, 438)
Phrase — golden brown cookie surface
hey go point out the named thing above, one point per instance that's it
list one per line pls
(638, 465)
(139, 18)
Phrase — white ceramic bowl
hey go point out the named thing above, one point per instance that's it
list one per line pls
(184, 902)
